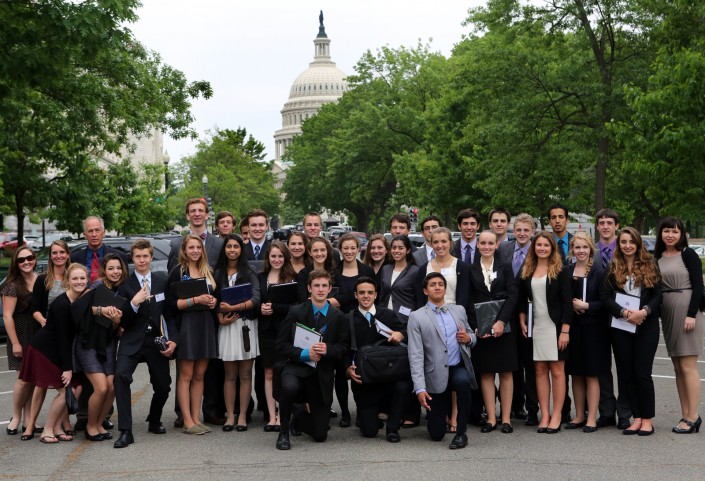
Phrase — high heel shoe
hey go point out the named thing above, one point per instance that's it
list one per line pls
(12, 432)
(698, 422)
(693, 427)
(553, 430)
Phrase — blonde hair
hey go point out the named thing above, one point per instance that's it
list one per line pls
(69, 269)
(49, 280)
(204, 270)
(555, 265)
(582, 235)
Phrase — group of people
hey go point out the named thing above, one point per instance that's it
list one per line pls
(530, 313)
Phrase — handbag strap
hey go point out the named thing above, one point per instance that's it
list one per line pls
(353, 341)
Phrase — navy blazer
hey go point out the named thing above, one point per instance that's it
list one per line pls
(502, 287)
(455, 251)
(462, 289)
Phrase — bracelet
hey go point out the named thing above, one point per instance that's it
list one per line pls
(100, 310)
(647, 309)
(565, 332)
(188, 302)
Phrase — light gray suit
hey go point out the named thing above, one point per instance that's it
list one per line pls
(420, 256)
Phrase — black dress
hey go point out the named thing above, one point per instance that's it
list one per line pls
(25, 324)
(269, 325)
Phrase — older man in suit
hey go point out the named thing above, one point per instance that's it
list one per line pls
(426, 253)
(142, 322)
(440, 339)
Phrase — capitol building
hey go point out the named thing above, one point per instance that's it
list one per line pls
(320, 83)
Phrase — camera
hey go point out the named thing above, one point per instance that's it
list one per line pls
(161, 343)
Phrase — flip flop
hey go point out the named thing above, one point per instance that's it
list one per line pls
(64, 437)
(452, 429)
(44, 439)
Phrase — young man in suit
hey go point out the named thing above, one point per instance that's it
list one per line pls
(607, 225)
(400, 224)
(143, 322)
(440, 339)
(499, 223)
(224, 223)
(426, 253)
(465, 248)
(213, 398)
(255, 250)
(301, 382)
(245, 230)
(369, 396)
(514, 253)
(313, 225)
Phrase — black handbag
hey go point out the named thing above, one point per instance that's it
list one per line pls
(71, 401)
(380, 362)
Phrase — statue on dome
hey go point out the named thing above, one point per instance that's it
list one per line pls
(321, 27)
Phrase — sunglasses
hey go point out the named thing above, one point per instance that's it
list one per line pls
(29, 258)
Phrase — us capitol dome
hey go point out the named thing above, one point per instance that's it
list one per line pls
(320, 83)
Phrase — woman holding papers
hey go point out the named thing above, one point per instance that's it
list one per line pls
(195, 316)
(589, 336)
(496, 350)
(278, 276)
(683, 322)
(298, 248)
(377, 253)
(632, 295)
(97, 321)
(398, 280)
(546, 302)
(238, 343)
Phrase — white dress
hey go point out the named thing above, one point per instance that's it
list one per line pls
(544, 337)
(451, 275)
(231, 345)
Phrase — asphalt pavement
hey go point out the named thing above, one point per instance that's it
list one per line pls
(346, 455)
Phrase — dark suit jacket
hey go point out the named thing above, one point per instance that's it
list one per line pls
(336, 337)
(302, 281)
(506, 254)
(366, 333)
(651, 296)
(502, 287)
(455, 251)
(462, 291)
(347, 295)
(403, 291)
(149, 313)
(79, 255)
(214, 244)
(250, 253)
(595, 278)
(420, 256)
(558, 297)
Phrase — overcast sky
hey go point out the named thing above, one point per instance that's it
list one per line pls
(252, 51)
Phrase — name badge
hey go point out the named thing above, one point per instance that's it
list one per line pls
(159, 297)
(493, 276)
(405, 311)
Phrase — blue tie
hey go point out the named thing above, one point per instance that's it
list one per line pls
(466, 257)
(518, 261)
(368, 316)
(257, 249)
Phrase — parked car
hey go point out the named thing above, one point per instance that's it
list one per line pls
(161, 244)
(699, 249)
(9, 243)
(49, 238)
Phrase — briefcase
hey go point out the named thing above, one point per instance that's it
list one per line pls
(383, 363)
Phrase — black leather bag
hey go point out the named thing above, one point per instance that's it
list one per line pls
(383, 363)
(71, 401)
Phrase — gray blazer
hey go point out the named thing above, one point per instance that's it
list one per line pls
(420, 256)
(428, 357)
(402, 292)
(214, 245)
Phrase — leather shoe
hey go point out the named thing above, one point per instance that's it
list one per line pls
(393, 437)
(108, 424)
(156, 428)
(107, 435)
(641, 432)
(125, 439)
(589, 429)
(519, 414)
(604, 421)
(459, 441)
(228, 427)
(623, 423)
(572, 425)
(531, 420)
(553, 430)
(179, 422)
(214, 419)
(488, 428)
(241, 428)
(344, 421)
(507, 428)
(94, 437)
(283, 443)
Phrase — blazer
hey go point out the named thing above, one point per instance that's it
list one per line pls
(428, 355)
(79, 255)
(347, 296)
(455, 251)
(279, 311)
(420, 256)
(250, 253)
(650, 296)
(558, 297)
(506, 254)
(503, 286)
(462, 289)
(302, 281)
(135, 324)
(366, 333)
(594, 283)
(214, 244)
(402, 292)
(336, 337)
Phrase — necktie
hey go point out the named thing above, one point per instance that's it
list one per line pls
(368, 316)
(517, 261)
(606, 256)
(466, 256)
(317, 319)
(562, 244)
(257, 249)
(145, 285)
(202, 235)
(440, 309)
(95, 267)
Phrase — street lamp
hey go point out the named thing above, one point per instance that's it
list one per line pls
(205, 196)
(165, 159)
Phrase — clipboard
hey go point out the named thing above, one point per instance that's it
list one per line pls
(104, 297)
(287, 293)
(486, 314)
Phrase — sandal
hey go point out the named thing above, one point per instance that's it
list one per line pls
(45, 439)
(451, 429)
(64, 437)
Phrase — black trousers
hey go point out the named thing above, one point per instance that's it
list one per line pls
(525, 379)
(634, 356)
(458, 381)
(369, 397)
(609, 404)
(159, 377)
(341, 388)
(295, 389)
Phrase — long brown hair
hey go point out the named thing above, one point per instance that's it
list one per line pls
(287, 273)
(328, 264)
(644, 269)
(367, 259)
(554, 260)
(49, 281)
(14, 276)
(104, 263)
(582, 235)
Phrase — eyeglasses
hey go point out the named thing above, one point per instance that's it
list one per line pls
(29, 258)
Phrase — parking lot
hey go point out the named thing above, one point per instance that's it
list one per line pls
(249, 455)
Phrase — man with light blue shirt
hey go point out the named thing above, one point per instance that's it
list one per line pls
(558, 219)
(440, 339)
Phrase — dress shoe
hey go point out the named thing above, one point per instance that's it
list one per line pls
(589, 429)
(623, 423)
(641, 432)
(698, 422)
(27, 437)
(542, 429)
(630, 432)
(572, 425)
(507, 428)
(283, 443)
(393, 437)
(125, 439)
(459, 441)
(604, 421)
(553, 430)
(333, 414)
(344, 421)
(93, 437)
(107, 435)
(11, 432)
(108, 424)
(531, 420)
(519, 414)
(156, 428)
(488, 428)
(229, 427)
(214, 419)
(179, 422)
(241, 428)
(80, 424)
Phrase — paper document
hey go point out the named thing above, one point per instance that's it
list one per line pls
(383, 329)
(304, 338)
(625, 301)
(530, 320)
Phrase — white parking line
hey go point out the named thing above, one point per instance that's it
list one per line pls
(6, 372)
(6, 392)
(2, 423)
